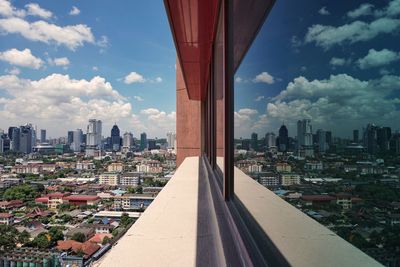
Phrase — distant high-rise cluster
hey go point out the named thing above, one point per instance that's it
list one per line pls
(93, 137)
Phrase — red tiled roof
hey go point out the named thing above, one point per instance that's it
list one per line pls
(42, 199)
(6, 215)
(69, 244)
(81, 197)
(318, 198)
(89, 248)
(98, 238)
(57, 194)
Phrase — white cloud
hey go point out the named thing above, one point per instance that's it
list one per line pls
(339, 100)
(159, 121)
(327, 36)
(324, 11)
(378, 58)
(158, 80)
(71, 36)
(238, 79)
(264, 77)
(138, 98)
(335, 61)
(259, 98)
(22, 58)
(7, 10)
(74, 11)
(363, 10)
(61, 61)
(134, 77)
(13, 71)
(95, 68)
(34, 9)
(60, 100)
(391, 10)
(103, 41)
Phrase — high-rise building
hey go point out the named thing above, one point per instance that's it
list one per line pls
(322, 143)
(328, 137)
(171, 138)
(383, 135)
(25, 138)
(283, 138)
(115, 138)
(143, 141)
(356, 136)
(13, 133)
(254, 141)
(42, 136)
(369, 138)
(127, 142)
(152, 144)
(93, 137)
(76, 144)
(304, 137)
(270, 140)
(70, 137)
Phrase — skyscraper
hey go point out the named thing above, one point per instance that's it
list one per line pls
(115, 138)
(171, 137)
(93, 137)
(127, 142)
(13, 133)
(383, 135)
(70, 137)
(270, 140)
(304, 137)
(322, 143)
(42, 136)
(77, 140)
(283, 139)
(254, 141)
(143, 141)
(369, 138)
(355, 136)
(25, 139)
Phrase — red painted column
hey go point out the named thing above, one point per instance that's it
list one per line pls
(188, 121)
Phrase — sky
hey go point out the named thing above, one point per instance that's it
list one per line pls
(64, 62)
(336, 63)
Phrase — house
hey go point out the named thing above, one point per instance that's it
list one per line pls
(82, 200)
(87, 248)
(11, 205)
(86, 230)
(98, 238)
(6, 218)
(52, 200)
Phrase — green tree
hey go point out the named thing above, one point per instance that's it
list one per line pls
(43, 240)
(56, 234)
(80, 237)
(22, 192)
(125, 220)
(106, 240)
(24, 237)
(8, 237)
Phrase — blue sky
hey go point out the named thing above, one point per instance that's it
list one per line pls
(97, 45)
(334, 62)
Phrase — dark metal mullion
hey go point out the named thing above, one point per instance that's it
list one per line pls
(228, 100)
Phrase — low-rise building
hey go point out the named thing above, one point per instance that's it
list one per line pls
(269, 179)
(6, 218)
(115, 167)
(130, 179)
(283, 167)
(109, 178)
(52, 200)
(82, 200)
(288, 179)
(11, 205)
(133, 201)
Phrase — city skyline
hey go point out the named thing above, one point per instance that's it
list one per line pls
(64, 63)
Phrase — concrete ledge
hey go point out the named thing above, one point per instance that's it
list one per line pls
(301, 240)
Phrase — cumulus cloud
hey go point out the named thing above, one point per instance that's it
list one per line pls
(134, 77)
(376, 58)
(71, 36)
(8, 10)
(34, 9)
(61, 61)
(74, 11)
(327, 36)
(363, 10)
(159, 121)
(264, 77)
(259, 98)
(335, 61)
(60, 100)
(324, 11)
(238, 79)
(391, 10)
(158, 79)
(13, 71)
(339, 100)
(22, 58)
(138, 98)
